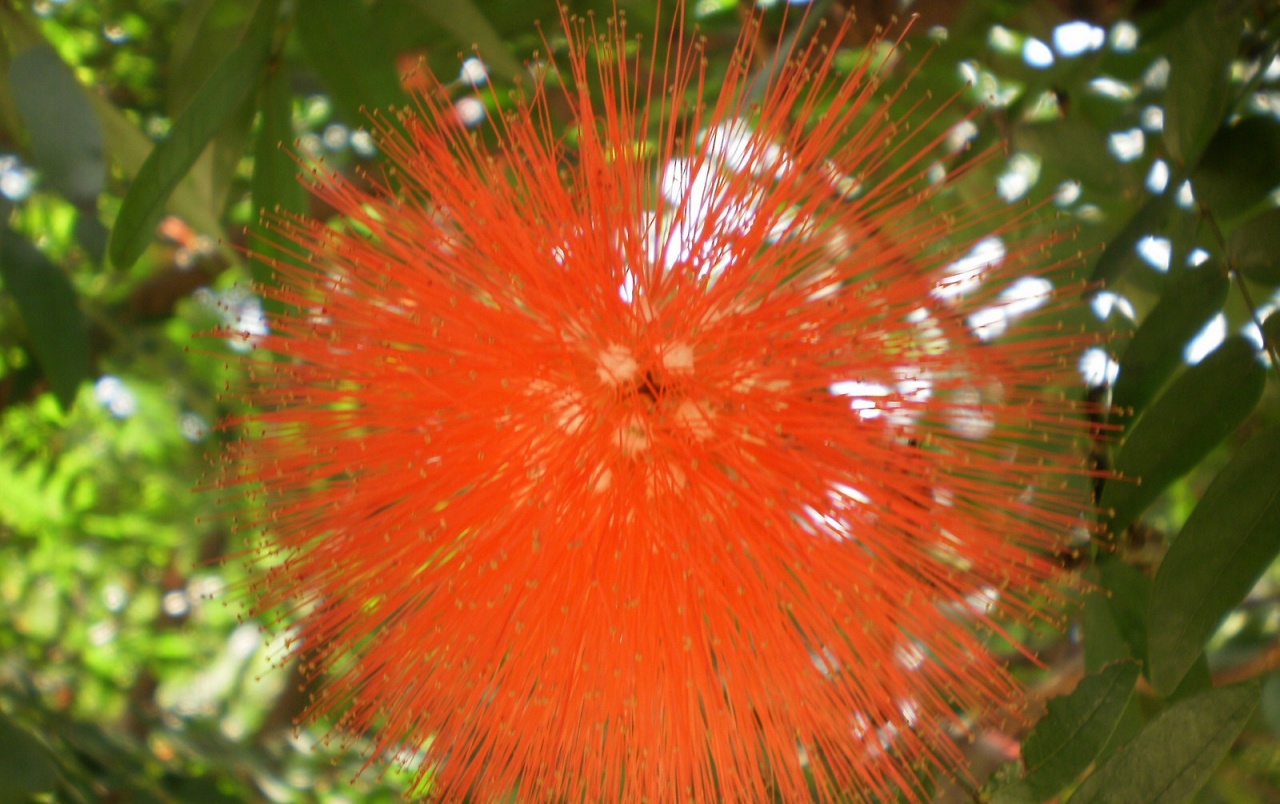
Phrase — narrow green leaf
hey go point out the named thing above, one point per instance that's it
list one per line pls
(1176, 753)
(276, 185)
(468, 24)
(205, 34)
(1190, 299)
(1076, 729)
(57, 328)
(26, 766)
(1200, 408)
(130, 148)
(127, 146)
(171, 159)
(222, 157)
(355, 63)
(1199, 89)
(10, 120)
(1271, 702)
(1127, 593)
(1254, 248)
(65, 137)
(1229, 540)
(1241, 166)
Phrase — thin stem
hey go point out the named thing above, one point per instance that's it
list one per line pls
(1267, 344)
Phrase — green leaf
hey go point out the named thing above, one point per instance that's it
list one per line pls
(1176, 753)
(1198, 679)
(469, 26)
(1076, 729)
(127, 146)
(1103, 642)
(171, 159)
(92, 235)
(222, 157)
(65, 137)
(1119, 254)
(1199, 89)
(276, 186)
(57, 328)
(130, 148)
(1200, 408)
(1076, 148)
(1240, 168)
(1115, 628)
(26, 766)
(1127, 593)
(1017, 793)
(1271, 702)
(1229, 540)
(206, 33)
(1271, 330)
(1190, 299)
(1254, 248)
(355, 63)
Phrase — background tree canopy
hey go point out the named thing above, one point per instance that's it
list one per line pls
(139, 139)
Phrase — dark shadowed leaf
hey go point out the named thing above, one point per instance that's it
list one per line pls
(355, 63)
(57, 328)
(1165, 17)
(169, 162)
(1176, 753)
(1076, 729)
(26, 767)
(1200, 408)
(1199, 88)
(1240, 167)
(1254, 248)
(1229, 540)
(92, 235)
(1271, 330)
(1190, 299)
(65, 138)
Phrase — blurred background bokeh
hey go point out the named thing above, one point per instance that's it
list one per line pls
(1150, 129)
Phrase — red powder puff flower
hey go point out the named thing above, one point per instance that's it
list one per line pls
(670, 459)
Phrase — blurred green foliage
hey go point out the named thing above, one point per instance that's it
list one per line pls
(126, 673)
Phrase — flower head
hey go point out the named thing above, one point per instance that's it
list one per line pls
(671, 459)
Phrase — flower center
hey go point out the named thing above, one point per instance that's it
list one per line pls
(657, 394)
(639, 408)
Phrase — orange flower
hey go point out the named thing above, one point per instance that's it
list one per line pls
(670, 460)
